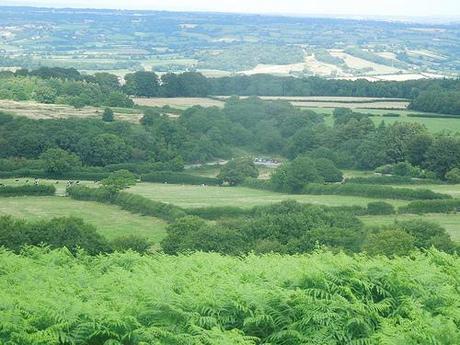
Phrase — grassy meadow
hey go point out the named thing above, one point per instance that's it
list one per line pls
(188, 196)
(110, 221)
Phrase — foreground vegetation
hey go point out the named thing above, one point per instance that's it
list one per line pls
(320, 298)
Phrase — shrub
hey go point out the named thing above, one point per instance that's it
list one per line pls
(292, 176)
(328, 170)
(119, 180)
(58, 162)
(32, 190)
(237, 170)
(131, 242)
(389, 242)
(453, 176)
(107, 115)
(380, 208)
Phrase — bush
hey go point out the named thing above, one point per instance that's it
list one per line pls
(292, 176)
(237, 170)
(32, 190)
(131, 242)
(119, 180)
(380, 208)
(71, 233)
(58, 162)
(179, 178)
(389, 242)
(453, 176)
(107, 115)
(328, 170)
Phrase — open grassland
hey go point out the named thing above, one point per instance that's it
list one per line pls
(198, 196)
(110, 221)
(37, 111)
(451, 222)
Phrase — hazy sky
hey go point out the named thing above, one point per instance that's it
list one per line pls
(325, 7)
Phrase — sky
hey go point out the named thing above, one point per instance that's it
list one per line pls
(393, 8)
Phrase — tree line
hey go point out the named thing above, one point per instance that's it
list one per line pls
(68, 86)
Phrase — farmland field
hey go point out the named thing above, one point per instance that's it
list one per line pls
(37, 111)
(197, 196)
(110, 221)
(178, 102)
(451, 222)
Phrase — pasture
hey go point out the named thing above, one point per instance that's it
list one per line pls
(110, 221)
(451, 222)
(198, 196)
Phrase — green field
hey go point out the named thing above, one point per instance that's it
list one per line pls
(451, 222)
(60, 185)
(434, 125)
(197, 196)
(110, 221)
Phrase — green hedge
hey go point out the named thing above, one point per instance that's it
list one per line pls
(213, 213)
(74, 175)
(390, 180)
(373, 191)
(179, 178)
(434, 116)
(431, 206)
(127, 201)
(33, 190)
(145, 168)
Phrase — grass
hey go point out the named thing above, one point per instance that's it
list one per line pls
(59, 184)
(451, 222)
(434, 125)
(197, 196)
(110, 221)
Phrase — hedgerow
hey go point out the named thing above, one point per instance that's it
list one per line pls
(32, 190)
(431, 206)
(53, 297)
(127, 201)
(179, 178)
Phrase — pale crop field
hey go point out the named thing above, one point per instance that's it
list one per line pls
(178, 102)
(451, 222)
(37, 111)
(209, 196)
(111, 221)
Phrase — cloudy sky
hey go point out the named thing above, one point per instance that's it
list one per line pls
(406, 8)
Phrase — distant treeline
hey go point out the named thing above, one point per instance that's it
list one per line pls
(430, 95)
